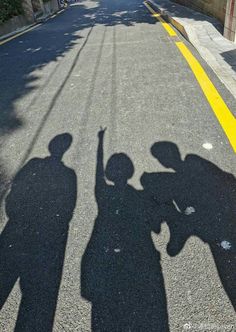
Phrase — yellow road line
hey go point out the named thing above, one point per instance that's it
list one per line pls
(165, 25)
(221, 110)
(19, 34)
(169, 29)
(226, 119)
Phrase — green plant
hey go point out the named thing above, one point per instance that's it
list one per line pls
(9, 8)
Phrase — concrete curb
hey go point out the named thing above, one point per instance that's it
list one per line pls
(166, 15)
(204, 35)
(13, 33)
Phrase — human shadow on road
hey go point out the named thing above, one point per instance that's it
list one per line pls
(32, 245)
(121, 273)
(202, 202)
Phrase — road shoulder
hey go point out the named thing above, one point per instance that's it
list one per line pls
(203, 33)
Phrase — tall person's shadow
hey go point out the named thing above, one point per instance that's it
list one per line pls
(203, 200)
(40, 206)
(121, 272)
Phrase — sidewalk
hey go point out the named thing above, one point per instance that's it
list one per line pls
(205, 35)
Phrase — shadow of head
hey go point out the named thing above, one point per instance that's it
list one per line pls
(119, 169)
(59, 145)
(167, 153)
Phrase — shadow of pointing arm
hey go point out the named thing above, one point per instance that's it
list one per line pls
(100, 173)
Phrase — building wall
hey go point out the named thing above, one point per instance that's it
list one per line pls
(230, 21)
(37, 5)
(28, 10)
(31, 8)
(216, 8)
(51, 6)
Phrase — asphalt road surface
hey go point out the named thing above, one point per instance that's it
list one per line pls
(80, 257)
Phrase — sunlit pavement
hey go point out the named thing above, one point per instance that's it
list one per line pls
(111, 64)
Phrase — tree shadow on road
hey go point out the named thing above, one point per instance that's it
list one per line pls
(32, 245)
(23, 59)
(49, 42)
(204, 205)
(121, 273)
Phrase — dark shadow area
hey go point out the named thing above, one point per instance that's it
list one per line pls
(121, 273)
(39, 206)
(230, 58)
(21, 57)
(203, 200)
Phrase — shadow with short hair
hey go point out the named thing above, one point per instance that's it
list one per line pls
(121, 273)
(32, 245)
